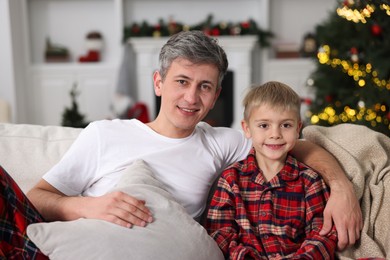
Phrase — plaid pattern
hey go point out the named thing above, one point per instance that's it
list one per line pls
(249, 216)
(16, 214)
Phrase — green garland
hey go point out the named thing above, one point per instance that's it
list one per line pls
(213, 29)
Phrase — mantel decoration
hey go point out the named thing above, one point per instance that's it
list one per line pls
(171, 27)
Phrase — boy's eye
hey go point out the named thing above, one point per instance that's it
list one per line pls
(263, 125)
(286, 125)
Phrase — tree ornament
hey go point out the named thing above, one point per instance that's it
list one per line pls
(307, 101)
(354, 55)
(348, 2)
(376, 30)
(329, 98)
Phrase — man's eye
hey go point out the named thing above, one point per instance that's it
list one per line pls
(205, 87)
(181, 81)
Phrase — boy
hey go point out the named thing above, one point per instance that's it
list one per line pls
(270, 205)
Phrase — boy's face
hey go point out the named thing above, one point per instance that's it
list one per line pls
(273, 131)
(188, 92)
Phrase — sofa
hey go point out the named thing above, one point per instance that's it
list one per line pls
(28, 151)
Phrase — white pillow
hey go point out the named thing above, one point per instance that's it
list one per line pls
(173, 234)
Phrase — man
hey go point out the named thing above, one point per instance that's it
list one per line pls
(184, 153)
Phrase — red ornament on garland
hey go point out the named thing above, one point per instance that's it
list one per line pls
(215, 32)
(245, 25)
(135, 29)
(376, 30)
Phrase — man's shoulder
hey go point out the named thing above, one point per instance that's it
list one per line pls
(112, 123)
(207, 129)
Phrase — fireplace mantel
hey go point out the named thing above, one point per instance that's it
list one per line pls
(239, 50)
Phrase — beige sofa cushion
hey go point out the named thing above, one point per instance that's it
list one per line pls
(29, 151)
(173, 234)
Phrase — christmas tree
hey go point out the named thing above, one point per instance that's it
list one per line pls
(352, 77)
(71, 116)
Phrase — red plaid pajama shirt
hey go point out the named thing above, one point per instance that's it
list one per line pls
(17, 213)
(251, 218)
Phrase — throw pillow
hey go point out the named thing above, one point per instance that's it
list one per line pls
(173, 234)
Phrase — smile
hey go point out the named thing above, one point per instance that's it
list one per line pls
(274, 146)
(188, 110)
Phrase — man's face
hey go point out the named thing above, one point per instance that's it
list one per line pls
(188, 93)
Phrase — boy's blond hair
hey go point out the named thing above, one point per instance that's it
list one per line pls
(274, 94)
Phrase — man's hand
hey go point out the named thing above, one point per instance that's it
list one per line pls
(119, 208)
(344, 211)
(116, 207)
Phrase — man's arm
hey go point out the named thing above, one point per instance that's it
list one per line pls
(115, 207)
(343, 207)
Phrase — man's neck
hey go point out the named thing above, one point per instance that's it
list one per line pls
(170, 132)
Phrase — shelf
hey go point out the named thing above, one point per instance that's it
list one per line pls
(67, 22)
(74, 66)
(291, 61)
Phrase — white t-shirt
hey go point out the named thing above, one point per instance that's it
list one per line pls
(187, 166)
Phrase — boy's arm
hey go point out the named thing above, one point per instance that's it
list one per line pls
(221, 224)
(315, 245)
(343, 208)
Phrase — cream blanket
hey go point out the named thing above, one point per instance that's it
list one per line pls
(365, 156)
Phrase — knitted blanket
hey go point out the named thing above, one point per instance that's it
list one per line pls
(365, 156)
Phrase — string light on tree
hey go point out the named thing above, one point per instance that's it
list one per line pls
(352, 79)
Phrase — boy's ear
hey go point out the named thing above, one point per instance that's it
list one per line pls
(245, 129)
(299, 128)
(157, 82)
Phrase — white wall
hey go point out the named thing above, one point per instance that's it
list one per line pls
(291, 19)
(7, 80)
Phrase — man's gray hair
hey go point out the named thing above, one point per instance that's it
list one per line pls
(196, 47)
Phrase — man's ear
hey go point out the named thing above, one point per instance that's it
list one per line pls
(217, 93)
(157, 82)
